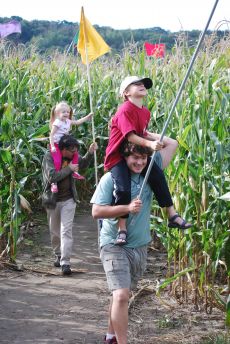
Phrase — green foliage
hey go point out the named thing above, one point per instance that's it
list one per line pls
(198, 177)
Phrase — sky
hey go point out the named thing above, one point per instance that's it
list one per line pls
(172, 15)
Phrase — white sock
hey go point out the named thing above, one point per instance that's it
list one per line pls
(110, 335)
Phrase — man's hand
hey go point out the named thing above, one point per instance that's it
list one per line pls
(93, 147)
(73, 167)
(135, 206)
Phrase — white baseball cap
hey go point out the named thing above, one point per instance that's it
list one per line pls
(132, 80)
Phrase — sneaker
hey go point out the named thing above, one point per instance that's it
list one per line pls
(78, 176)
(57, 262)
(66, 270)
(110, 341)
(54, 188)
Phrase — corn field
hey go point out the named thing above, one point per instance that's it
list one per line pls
(30, 84)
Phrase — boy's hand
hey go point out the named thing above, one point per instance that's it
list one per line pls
(156, 145)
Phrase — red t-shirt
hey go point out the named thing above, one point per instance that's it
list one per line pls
(129, 118)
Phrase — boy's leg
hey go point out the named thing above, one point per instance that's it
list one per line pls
(122, 184)
(168, 151)
(157, 178)
(122, 195)
(158, 184)
(161, 191)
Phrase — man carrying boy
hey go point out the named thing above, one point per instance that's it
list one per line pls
(130, 122)
(124, 265)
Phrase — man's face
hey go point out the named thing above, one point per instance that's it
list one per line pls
(136, 162)
(69, 153)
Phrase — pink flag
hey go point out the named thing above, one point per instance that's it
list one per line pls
(7, 29)
(157, 50)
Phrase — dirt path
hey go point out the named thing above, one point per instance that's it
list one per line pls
(43, 308)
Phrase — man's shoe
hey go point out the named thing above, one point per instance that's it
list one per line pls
(57, 262)
(110, 341)
(66, 270)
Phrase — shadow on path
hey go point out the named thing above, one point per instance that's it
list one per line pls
(42, 308)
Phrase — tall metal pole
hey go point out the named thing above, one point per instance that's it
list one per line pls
(178, 95)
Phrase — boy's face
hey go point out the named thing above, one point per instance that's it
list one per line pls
(136, 90)
(136, 162)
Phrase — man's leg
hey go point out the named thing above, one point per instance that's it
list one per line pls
(110, 325)
(110, 331)
(53, 216)
(117, 268)
(119, 314)
(67, 215)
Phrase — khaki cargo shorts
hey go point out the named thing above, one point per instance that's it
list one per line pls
(123, 266)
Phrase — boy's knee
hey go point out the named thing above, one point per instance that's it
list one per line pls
(175, 144)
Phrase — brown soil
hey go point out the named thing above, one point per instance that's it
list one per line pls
(40, 306)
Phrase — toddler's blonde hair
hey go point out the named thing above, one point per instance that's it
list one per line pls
(55, 109)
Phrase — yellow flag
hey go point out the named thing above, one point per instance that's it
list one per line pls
(90, 39)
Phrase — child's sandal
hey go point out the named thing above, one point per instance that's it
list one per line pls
(173, 224)
(121, 238)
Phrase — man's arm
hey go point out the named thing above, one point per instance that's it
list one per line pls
(49, 172)
(112, 211)
(88, 157)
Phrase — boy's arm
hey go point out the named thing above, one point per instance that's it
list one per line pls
(166, 140)
(145, 142)
(82, 120)
(111, 211)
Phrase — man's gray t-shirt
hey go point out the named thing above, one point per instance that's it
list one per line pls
(138, 225)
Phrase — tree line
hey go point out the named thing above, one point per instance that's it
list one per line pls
(48, 36)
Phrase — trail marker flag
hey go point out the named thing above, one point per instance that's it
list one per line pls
(90, 40)
(156, 50)
(7, 29)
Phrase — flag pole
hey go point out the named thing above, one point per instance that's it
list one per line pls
(70, 46)
(91, 110)
(178, 96)
(90, 94)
